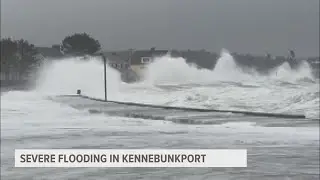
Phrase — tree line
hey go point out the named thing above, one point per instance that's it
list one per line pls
(21, 56)
(16, 55)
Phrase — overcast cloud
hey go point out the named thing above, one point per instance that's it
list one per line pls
(246, 26)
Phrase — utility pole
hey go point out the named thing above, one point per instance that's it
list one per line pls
(105, 76)
(130, 56)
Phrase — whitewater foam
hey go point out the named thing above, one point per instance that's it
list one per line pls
(29, 120)
(171, 81)
(67, 75)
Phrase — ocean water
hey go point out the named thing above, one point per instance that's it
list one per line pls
(277, 148)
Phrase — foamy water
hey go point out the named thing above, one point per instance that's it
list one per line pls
(171, 81)
(29, 120)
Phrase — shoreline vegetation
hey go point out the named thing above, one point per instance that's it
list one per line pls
(20, 59)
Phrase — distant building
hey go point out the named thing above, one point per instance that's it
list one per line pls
(115, 60)
(132, 63)
(141, 58)
(120, 61)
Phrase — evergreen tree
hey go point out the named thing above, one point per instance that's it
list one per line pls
(80, 43)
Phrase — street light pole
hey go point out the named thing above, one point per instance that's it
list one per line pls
(105, 76)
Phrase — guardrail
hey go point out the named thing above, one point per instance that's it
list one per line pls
(248, 113)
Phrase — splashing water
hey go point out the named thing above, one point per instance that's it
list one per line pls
(168, 70)
(285, 73)
(68, 75)
(29, 120)
(171, 81)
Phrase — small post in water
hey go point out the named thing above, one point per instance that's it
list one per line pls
(105, 76)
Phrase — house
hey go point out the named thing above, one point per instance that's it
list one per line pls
(116, 60)
(131, 63)
(141, 58)
(120, 61)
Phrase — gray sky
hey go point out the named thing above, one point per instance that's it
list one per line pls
(246, 26)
